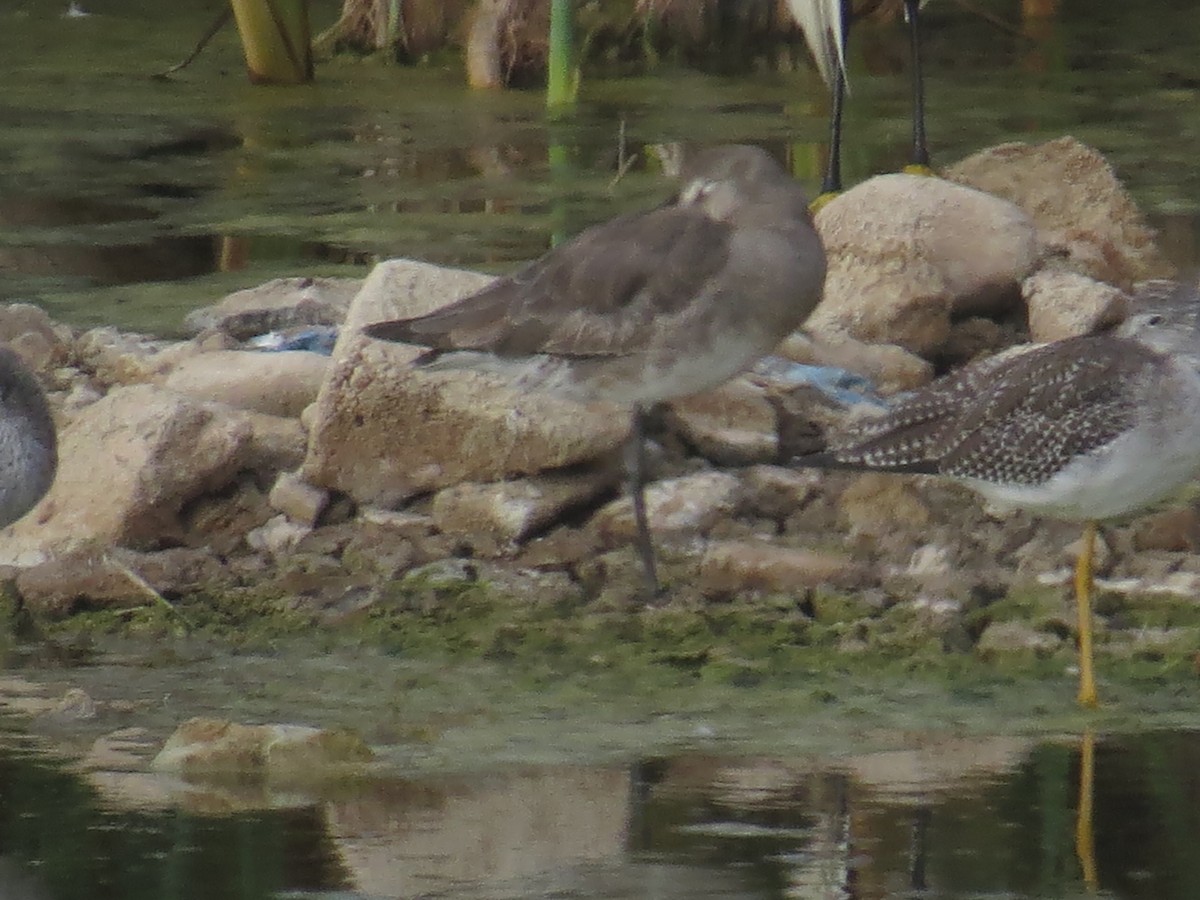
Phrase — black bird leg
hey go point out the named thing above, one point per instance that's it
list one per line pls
(635, 464)
(833, 170)
(920, 152)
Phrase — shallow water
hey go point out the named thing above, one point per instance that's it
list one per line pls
(129, 200)
(999, 817)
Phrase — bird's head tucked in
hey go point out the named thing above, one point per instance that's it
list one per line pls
(725, 181)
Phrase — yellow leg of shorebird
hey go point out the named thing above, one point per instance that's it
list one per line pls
(818, 204)
(1083, 599)
(919, 169)
(1085, 838)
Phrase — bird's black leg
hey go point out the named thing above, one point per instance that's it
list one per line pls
(635, 463)
(920, 152)
(833, 169)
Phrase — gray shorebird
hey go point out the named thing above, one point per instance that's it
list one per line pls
(826, 28)
(1085, 429)
(649, 306)
(28, 445)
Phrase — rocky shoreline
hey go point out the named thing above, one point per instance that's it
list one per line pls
(207, 486)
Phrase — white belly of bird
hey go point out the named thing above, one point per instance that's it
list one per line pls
(1136, 470)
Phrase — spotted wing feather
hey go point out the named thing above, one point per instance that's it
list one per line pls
(1047, 407)
(915, 432)
(1008, 419)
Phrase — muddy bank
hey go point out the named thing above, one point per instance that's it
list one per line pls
(211, 491)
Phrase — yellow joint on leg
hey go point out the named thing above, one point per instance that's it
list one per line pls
(1083, 600)
(817, 205)
(919, 169)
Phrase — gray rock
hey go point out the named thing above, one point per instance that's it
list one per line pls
(1014, 637)
(277, 535)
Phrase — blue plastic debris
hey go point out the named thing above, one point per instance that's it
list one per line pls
(840, 385)
(314, 338)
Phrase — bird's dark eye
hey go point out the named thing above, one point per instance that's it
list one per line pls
(1155, 319)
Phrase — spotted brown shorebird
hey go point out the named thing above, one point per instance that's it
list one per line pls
(649, 306)
(1086, 429)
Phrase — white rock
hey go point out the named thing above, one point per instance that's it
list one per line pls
(297, 499)
(279, 384)
(127, 465)
(689, 505)
(383, 431)
(907, 252)
(512, 510)
(1065, 304)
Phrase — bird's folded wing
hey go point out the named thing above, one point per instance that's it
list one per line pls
(610, 291)
(1042, 409)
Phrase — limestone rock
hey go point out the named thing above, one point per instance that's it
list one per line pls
(1014, 637)
(746, 565)
(297, 499)
(1175, 529)
(877, 504)
(276, 444)
(114, 579)
(732, 425)
(118, 357)
(890, 368)
(279, 384)
(213, 747)
(907, 252)
(383, 431)
(29, 330)
(688, 505)
(776, 492)
(127, 466)
(276, 304)
(277, 535)
(220, 521)
(511, 510)
(1066, 304)
(1080, 207)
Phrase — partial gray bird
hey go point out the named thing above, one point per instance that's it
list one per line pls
(1085, 429)
(28, 444)
(649, 306)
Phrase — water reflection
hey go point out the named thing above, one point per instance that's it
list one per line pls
(368, 163)
(944, 818)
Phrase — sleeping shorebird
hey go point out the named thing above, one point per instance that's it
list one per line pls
(649, 306)
(1085, 429)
